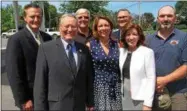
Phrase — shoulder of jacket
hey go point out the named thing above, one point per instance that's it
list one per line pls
(145, 49)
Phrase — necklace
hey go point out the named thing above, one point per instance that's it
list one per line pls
(105, 44)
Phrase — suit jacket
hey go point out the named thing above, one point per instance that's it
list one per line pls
(56, 87)
(142, 73)
(21, 56)
(116, 34)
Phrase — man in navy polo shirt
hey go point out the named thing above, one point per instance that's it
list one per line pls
(170, 48)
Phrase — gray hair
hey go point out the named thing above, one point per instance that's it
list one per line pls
(125, 10)
(82, 10)
(64, 16)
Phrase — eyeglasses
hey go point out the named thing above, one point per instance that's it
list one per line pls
(85, 17)
(122, 17)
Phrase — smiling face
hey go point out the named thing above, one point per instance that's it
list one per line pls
(123, 18)
(83, 19)
(166, 17)
(33, 18)
(103, 28)
(68, 28)
(132, 39)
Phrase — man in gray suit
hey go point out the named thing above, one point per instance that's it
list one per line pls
(64, 72)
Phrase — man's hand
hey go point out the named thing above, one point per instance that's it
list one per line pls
(145, 108)
(161, 82)
(89, 108)
(28, 106)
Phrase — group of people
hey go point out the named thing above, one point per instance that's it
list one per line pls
(97, 69)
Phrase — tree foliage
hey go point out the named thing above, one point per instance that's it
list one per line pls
(7, 18)
(50, 12)
(181, 11)
(95, 7)
(146, 20)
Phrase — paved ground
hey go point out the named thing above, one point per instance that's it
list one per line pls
(7, 101)
(3, 43)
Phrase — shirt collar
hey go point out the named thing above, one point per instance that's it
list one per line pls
(172, 33)
(65, 43)
(89, 33)
(33, 33)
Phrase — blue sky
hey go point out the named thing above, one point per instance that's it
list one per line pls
(145, 6)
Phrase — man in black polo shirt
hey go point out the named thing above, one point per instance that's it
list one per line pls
(170, 48)
(83, 18)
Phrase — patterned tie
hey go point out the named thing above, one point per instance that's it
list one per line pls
(37, 39)
(71, 58)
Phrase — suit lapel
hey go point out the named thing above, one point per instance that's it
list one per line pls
(31, 38)
(62, 52)
(79, 56)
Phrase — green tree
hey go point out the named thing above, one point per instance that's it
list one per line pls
(135, 18)
(181, 11)
(50, 11)
(7, 18)
(95, 7)
(146, 20)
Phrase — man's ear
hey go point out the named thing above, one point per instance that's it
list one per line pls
(157, 20)
(24, 18)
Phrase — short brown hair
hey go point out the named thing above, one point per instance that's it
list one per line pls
(140, 34)
(32, 5)
(95, 24)
(123, 10)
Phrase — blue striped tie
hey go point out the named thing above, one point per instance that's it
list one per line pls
(71, 58)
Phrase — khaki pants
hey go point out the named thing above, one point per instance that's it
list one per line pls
(179, 102)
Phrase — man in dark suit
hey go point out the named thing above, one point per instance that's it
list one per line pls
(64, 73)
(21, 56)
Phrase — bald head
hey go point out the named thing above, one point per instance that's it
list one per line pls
(166, 17)
(168, 9)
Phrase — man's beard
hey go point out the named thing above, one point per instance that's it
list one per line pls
(166, 25)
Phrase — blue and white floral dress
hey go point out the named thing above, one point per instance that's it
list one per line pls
(107, 90)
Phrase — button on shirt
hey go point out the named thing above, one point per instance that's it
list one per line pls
(170, 54)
